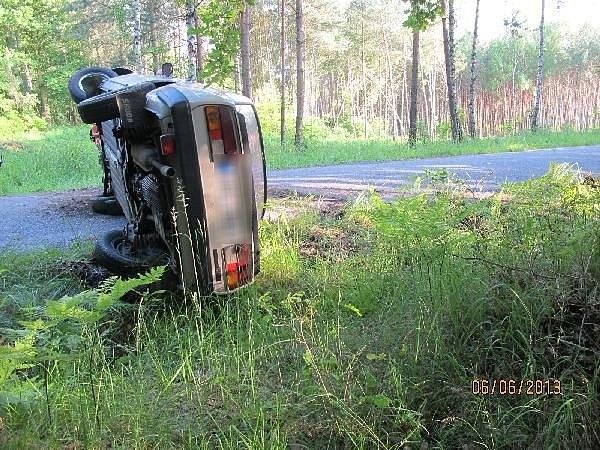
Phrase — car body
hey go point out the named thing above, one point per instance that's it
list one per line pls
(187, 167)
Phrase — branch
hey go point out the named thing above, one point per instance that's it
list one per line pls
(516, 269)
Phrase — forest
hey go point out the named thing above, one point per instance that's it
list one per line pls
(355, 68)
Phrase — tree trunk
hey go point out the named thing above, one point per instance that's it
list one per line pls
(192, 55)
(473, 79)
(153, 22)
(363, 86)
(199, 48)
(535, 112)
(43, 96)
(237, 72)
(155, 62)
(433, 92)
(137, 35)
(300, 43)
(245, 50)
(27, 83)
(414, 91)
(282, 87)
(448, 31)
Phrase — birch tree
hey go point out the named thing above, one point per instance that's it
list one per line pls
(282, 70)
(245, 50)
(473, 75)
(448, 32)
(535, 111)
(192, 53)
(137, 35)
(199, 47)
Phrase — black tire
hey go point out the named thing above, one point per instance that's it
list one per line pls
(107, 205)
(115, 252)
(99, 108)
(85, 83)
(122, 70)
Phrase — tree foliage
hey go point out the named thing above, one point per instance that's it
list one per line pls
(357, 58)
(41, 48)
(422, 13)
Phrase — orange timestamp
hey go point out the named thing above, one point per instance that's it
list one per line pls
(550, 386)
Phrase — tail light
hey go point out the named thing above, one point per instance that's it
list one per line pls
(167, 144)
(221, 124)
(233, 279)
(237, 265)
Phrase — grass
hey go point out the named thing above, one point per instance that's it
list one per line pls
(63, 157)
(365, 329)
(330, 151)
(55, 160)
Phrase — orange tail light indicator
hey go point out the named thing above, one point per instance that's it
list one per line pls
(221, 124)
(237, 273)
(213, 120)
(233, 279)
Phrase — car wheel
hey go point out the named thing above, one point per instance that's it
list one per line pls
(115, 252)
(107, 205)
(85, 83)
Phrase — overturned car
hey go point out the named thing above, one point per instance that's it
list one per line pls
(186, 165)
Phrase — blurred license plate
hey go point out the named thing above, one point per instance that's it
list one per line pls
(224, 166)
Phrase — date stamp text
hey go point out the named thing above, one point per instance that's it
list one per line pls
(550, 386)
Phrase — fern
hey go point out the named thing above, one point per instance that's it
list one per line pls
(56, 333)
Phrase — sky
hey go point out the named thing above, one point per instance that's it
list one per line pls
(572, 14)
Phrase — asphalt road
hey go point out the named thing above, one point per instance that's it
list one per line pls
(57, 219)
(480, 173)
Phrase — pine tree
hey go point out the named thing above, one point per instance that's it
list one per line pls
(414, 90)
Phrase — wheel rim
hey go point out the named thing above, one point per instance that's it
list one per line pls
(90, 83)
(148, 255)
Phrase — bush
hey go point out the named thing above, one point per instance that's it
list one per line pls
(12, 123)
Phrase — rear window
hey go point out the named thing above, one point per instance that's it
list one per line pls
(252, 143)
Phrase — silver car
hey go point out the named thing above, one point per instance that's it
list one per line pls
(187, 167)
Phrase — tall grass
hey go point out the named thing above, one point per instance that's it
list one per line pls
(364, 330)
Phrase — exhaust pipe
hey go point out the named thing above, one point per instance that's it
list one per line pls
(147, 157)
(165, 171)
